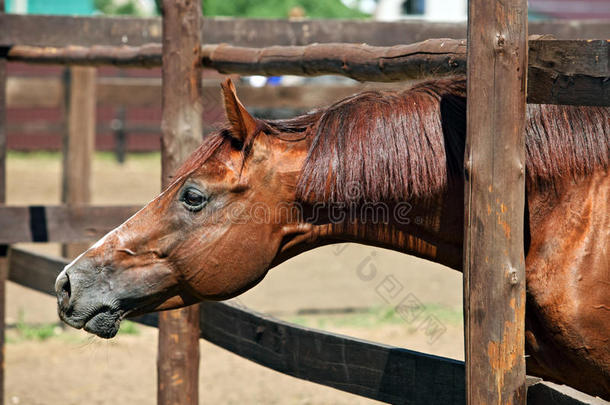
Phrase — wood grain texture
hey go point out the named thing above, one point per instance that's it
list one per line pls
(181, 124)
(378, 371)
(148, 55)
(60, 223)
(46, 30)
(433, 57)
(78, 144)
(573, 72)
(494, 268)
(582, 78)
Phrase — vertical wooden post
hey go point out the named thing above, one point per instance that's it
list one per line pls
(178, 358)
(79, 144)
(494, 269)
(3, 248)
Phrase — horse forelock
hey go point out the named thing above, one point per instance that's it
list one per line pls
(207, 148)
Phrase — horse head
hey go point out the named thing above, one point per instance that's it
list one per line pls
(211, 234)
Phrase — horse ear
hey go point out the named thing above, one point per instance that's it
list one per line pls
(242, 123)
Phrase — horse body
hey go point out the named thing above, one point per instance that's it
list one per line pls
(380, 168)
(568, 279)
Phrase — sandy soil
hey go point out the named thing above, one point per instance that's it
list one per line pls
(75, 368)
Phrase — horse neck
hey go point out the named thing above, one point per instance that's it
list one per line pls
(430, 228)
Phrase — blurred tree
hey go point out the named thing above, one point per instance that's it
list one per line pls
(274, 8)
(279, 8)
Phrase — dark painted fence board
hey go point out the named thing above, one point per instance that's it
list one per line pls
(60, 223)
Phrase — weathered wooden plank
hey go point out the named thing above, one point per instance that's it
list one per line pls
(34, 270)
(60, 223)
(433, 57)
(148, 55)
(78, 144)
(302, 352)
(42, 30)
(47, 30)
(181, 124)
(569, 72)
(560, 72)
(573, 72)
(494, 268)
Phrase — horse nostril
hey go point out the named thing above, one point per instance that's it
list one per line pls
(65, 292)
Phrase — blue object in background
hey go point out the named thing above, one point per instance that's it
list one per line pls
(66, 7)
(274, 80)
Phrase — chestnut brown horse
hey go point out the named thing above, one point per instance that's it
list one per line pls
(259, 192)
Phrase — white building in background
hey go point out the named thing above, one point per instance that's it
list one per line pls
(430, 10)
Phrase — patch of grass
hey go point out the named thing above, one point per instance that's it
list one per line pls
(129, 328)
(376, 317)
(99, 155)
(36, 332)
(25, 331)
(445, 314)
(138, 156)
(35, 154)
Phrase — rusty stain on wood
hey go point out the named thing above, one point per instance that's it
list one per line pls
(494, 290)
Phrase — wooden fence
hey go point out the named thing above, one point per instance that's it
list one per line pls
(373, 370)
(376, 371)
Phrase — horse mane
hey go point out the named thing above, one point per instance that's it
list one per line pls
(398, 146)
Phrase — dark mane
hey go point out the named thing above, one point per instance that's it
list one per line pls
(396, 146)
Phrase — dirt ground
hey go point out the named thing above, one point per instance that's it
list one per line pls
(47, 364)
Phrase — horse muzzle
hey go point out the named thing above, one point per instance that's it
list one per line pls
(83, 305)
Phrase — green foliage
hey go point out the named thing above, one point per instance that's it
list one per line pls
(128, 328)
(34, 332)
(279, 8)
(253, 9)
(112, 8)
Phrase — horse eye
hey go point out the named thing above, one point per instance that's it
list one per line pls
(193, 199)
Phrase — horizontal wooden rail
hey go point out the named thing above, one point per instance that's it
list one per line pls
(575, 72)
(148, 55)
(433, 57)
(373, 370)
(560, 71)
(59, 223)
(59, 31)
